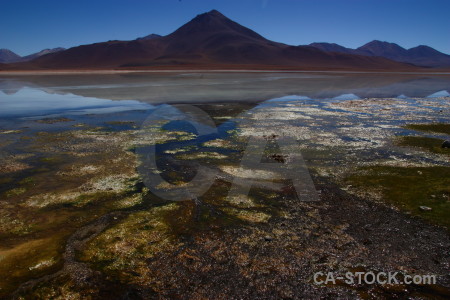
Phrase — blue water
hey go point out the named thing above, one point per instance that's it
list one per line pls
(32, 102)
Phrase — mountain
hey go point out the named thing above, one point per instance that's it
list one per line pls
(423, 56)
(149, 37)
(40, 53)
(384, 49)
(332, 47)
(427, 56)
(210, 40)
(7, 56)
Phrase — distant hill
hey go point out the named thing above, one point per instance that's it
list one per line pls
(7, 56)
(384, 49)
(41, 53)
(149, 37)
(423, 56)
(209, 40)
(331, 47)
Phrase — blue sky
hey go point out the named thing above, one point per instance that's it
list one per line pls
(30, 26)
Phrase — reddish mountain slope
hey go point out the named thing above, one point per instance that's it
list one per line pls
(208, 39)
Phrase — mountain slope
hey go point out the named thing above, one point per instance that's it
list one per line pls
(41, 53)
(332, 47)
(384, 49)
(149, 37)
(7, 56)
(421, 55)
(427, 56)
(210, 39)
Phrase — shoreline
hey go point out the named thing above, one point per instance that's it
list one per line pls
(109, 71)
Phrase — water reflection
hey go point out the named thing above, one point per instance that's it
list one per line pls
(28, 102)
(157, 88)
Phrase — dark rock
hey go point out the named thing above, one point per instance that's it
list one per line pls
(367, 242)
(278, 158)
(446, 144)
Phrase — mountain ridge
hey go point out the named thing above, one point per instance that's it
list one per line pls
(423, 56)
(41, 53)
(8, 56)
(149, 37)
(209, 39)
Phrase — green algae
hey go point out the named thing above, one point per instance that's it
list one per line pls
(248, 215)
(409, 188)
(14, 225)
(27, 181)
(127, 245)
(29, 259)
(202, 155)
(15, 192)
(53, 159)
(426, 143)
(123, 249)
(74, 178)
(153, 135)
(434, 127)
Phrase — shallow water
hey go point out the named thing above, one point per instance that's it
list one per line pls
(72, 145)
(174, 87)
